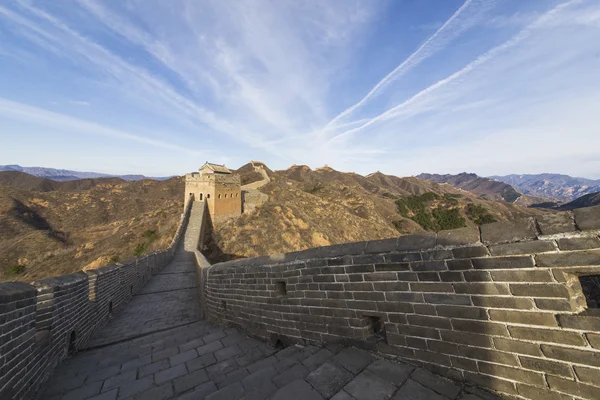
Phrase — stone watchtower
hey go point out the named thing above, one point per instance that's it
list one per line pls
(219, 187)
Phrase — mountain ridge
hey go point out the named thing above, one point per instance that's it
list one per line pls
(70, 175)
(557, 186)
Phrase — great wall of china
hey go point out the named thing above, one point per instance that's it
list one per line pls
(507, 307)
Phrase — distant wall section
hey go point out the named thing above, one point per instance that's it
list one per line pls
(42, 323)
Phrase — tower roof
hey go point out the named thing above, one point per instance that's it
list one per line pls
(215, 168)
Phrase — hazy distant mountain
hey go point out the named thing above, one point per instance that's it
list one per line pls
(561, 187)
(68, 175)
(486, 187)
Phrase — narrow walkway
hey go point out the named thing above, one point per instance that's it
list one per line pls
(157, 348)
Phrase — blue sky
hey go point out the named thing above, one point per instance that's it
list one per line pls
(401, 86)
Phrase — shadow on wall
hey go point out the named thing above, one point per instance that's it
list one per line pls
(32, 218)
(209, 247)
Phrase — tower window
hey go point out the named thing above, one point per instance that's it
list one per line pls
(225, 195)
(219, 195)
(208, 195)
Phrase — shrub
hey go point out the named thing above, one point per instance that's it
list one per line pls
(150, 235)
(479, 214)
(139, 250)
(448, 218)
(114, 259)
(16, 269)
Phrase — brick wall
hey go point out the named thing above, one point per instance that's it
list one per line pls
(498, 306)
(40, 323)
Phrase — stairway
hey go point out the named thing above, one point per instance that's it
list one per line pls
(192, 233)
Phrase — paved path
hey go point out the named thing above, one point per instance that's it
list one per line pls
(157, 348)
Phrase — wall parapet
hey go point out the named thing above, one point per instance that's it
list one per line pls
(500, 306)
(43, 322)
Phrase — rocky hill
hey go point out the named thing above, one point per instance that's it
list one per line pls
(588, 200)
(62, 227)
(308, 208)
(487, 188)
(553, 186)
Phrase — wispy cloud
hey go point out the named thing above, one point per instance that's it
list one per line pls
(338, 82)
(65, 123)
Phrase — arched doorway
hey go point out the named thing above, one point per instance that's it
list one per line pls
(200, 196)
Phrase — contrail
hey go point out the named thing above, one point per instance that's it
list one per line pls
(415, 58)
(524, 33)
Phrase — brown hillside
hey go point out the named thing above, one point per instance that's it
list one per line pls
(309, 208)
(62, 231)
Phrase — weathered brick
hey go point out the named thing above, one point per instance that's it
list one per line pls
(509, 231)
(550, 367)
(407, 297)
(516, 374)
(429, 276)
(438, 265)
(547, 290)
(470, 252)
(490, 382)
(358, 286)
(355, 269)
(594, 340)
(462, 312)
(367, 259)
(424, 309)
(451, 276)
(551, 224)
(520, 317)
(419, 331)
(530, 276)
(503, 262)
(490, 355)
(535, 246)
(381, 276)
(477, 276)
(416, 343)
(417, 242)
(350, 249)
(483, 327)
(460, 236)
(392, 267)
(435, 298)
(391, 286)
(503, 302)
(471, 339)
(459, 265)
(481, 288)
(465, 364)
(433, 322)
(573, 388)
(580, 322)
(390, 306)
(403, 257)
(517, 346)
(553, 304)
(547, 335)
(582, 243)
(443, 347)
(381, 246)
(580, 258)
(431, 287)
(587, 218)
(587, 375)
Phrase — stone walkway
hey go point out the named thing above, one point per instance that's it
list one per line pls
(157, 348)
